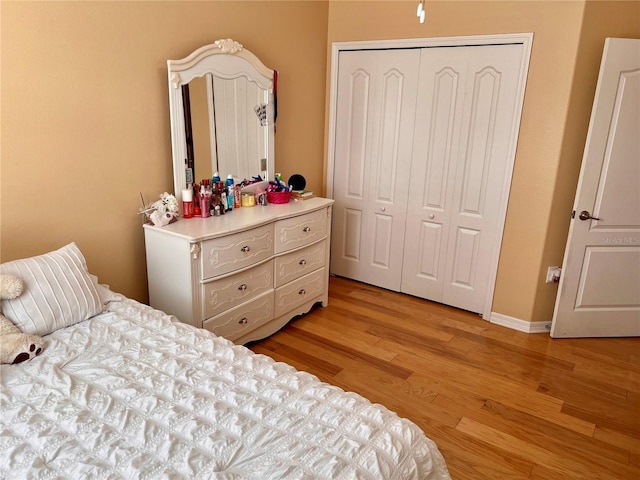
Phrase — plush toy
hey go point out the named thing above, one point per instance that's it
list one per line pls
(15, 346)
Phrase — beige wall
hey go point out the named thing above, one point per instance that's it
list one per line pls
(567, 48)
(85, 122)
(85, 119)
(601, 19)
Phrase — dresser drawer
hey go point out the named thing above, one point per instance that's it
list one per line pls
(296, 264)
(301, 230)
(225, 254)
(223, 294)
(234, 323)
(299, 291)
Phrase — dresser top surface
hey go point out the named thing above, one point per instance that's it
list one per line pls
(197, 229)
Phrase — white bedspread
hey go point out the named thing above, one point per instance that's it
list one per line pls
(132, 393)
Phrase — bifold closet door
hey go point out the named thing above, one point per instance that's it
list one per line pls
(463, 134)
(376, 99)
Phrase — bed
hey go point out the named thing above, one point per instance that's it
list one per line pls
(131, 392)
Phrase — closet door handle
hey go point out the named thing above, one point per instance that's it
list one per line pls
(302, 262)
(242, 287)
(306, 229)
(243, 321)
(246, 248)
(302, 292)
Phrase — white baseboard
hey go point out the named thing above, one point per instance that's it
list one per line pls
(520, 325)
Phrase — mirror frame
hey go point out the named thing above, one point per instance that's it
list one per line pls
(224, 58)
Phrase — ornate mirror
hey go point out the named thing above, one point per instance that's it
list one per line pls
(222, 107)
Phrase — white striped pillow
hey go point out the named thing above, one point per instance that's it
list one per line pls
(58, 291)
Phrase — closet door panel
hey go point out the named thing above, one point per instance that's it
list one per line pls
(382, 241)
(479, 182)
(480, 133)
(374, 134)
(351, 228)
(440, 138)
(435, 152)
(386, 145)
(428, 252)
(465, 253)
(357, 135)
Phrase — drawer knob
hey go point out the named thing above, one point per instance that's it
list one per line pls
(302, 292)
(306, 229)
(242, 287)
(246, 248)
(302, 262)
(243, 321)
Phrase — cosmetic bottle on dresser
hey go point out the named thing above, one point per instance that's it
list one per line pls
(230, 192)
(205, 199)
(196, 200)
(187, 203)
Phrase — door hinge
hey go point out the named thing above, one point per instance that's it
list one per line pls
(573, 214)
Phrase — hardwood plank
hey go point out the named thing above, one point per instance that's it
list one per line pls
(342, 334)
(404, 323)
(468, 458)
(618, 349)
(546, 434)
(318, 364)
(279, 357)
(618, 439)
(366, 357)
(617, 373)
(542, 472)
(537, 431)
(556, 461)
(620, 421)
(575, 386)
(406, 399)
(540, 407)
(500, 404)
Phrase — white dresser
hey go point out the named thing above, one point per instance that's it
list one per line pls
(245, 274)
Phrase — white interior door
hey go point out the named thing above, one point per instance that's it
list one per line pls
(467, 106)
(599, 291)
(374, 131)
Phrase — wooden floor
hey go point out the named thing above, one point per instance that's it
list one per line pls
(500, 404)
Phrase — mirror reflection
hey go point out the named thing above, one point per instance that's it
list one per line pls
(222, 105)
(229, 131)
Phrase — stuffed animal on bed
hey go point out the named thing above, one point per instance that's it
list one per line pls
(15, 346)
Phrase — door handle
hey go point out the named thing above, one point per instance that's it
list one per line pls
(584, 215)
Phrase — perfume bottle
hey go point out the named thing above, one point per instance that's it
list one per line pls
(187, 203)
